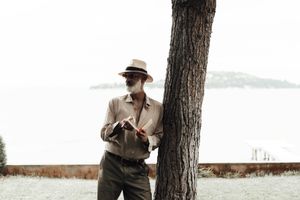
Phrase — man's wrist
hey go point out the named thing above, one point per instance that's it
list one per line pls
(116, 129)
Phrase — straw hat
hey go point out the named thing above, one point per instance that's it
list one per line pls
(137, 66)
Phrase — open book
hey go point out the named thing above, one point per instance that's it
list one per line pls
(136, 128)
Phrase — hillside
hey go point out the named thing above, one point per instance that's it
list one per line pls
(219, 79)
(243, 80)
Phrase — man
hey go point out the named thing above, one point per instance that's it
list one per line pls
(132, 129)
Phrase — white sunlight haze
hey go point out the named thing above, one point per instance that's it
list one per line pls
(53, 51)
(82, 43)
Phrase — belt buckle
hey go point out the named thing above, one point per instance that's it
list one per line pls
(122, 160)
(129, 162)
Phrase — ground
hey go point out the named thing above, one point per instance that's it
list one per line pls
(255, 188)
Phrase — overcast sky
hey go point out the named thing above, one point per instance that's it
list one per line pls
(86, 42)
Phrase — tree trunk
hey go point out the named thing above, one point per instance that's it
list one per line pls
(184, 91)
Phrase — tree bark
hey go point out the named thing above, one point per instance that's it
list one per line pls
(184, 91)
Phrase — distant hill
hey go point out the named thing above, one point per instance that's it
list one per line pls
(221, 79)
(218, 79)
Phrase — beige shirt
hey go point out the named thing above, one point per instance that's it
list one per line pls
(125, 143)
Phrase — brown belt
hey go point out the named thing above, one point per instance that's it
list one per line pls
(130, 162)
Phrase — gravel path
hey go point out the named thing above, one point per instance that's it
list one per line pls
(258, 188)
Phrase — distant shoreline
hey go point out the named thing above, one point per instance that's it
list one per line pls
(221, 80)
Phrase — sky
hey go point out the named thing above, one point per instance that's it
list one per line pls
(87, 42)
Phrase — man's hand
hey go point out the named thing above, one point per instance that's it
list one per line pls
(126, 124)
(142, 135)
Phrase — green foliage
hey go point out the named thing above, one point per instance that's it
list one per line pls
(2, 155)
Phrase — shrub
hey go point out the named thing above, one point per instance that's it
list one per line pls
(2, 155)
(205, 173)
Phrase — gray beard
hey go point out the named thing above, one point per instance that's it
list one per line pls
(136, 88)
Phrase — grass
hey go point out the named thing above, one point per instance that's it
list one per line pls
(252, 188)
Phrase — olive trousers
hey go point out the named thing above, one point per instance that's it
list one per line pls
(116, 176)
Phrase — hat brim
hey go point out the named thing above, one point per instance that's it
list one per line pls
(149, 77)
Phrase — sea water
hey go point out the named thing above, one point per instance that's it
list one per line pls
(62, 125)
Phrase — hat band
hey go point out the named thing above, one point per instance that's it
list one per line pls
(136, 69)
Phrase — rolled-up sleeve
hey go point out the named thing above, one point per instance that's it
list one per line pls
(111, 127)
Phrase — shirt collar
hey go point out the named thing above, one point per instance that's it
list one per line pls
(128, 99)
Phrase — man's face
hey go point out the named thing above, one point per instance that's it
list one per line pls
(133, 82)
(132, 78)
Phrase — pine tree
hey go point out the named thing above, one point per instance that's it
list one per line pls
(177, 163)
(2, 155)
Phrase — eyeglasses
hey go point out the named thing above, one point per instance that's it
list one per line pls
(132, 75)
